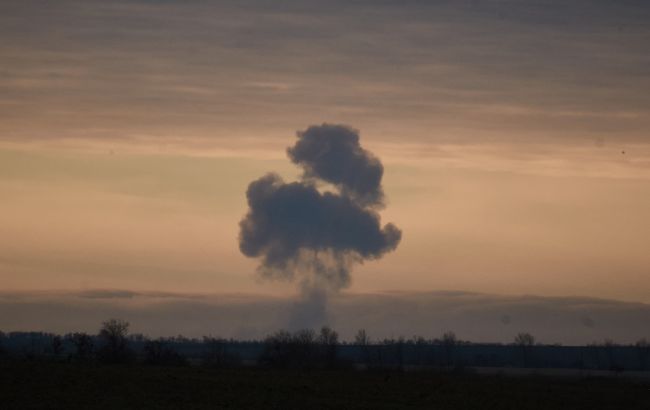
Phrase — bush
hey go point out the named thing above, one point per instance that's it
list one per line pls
(158, 353)
(301, 349)
(56, 345)
(328, 342)
(216, 354)
(284, 350)
(84, 346)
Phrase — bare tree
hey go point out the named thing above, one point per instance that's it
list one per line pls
(643, 347)
(328, 336)
(114, 330)
(449, 342)
(281, 336)
(525, 341)
(420, 344)
(83, 344)
(329, 340)
(449, 338)
(282, 349)
(362, 338)
(217, 354)
(304, 337)
(158, 352)
(113, 334)
(417, 340)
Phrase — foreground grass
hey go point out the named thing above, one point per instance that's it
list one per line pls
(49, 385)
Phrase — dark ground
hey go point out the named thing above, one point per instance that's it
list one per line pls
(51, 385)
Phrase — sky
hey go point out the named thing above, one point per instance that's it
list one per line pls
(514, 135)
(475, 317)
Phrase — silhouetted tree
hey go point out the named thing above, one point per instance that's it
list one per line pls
(304, 337)
(83, 344)
(216, 353)
(449, 338)
(417, 340)
(420, 344)
(3, 351)
(449, 342)
(157, 352)
(303, 348)
(328, 336)
(643, 347)
(56, 345)
(277, 349)
(399, 352)
(329, 340)
(609, 345)
(525, 341)
(282, 349)
(115, 348)
(362, 338)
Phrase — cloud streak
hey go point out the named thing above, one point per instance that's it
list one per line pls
(440, 65)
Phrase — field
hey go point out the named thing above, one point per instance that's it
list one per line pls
(57, 385)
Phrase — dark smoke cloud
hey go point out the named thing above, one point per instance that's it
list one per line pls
(333, 154)
(297, 230)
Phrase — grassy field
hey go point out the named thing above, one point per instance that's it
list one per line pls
(50, 385)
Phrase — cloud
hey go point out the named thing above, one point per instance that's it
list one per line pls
(288, 223)
(455, 68)
(107, 294)
(296, 229)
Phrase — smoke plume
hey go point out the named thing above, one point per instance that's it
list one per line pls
(314, 236)
(333, 154)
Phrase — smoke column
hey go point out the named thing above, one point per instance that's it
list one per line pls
(311, 236)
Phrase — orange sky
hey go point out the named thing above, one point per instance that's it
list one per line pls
(514, 139)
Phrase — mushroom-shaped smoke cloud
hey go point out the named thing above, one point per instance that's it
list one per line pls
(299, 231)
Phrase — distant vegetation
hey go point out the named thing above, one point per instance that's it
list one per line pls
(113, 344)
(311, 369)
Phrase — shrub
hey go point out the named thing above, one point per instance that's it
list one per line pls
(284, 350)
(158, 353)
(56, 345)
(84, 346)
(216, 353)
(302, 349)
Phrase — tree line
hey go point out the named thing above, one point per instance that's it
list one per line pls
(299, 349)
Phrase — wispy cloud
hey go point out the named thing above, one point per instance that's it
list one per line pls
(549, 71)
